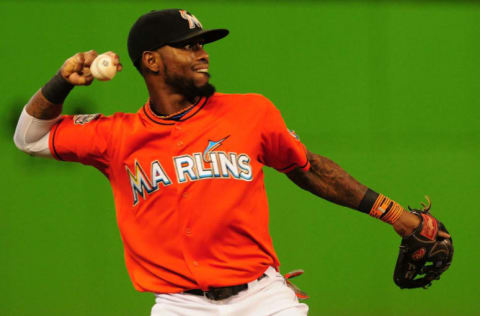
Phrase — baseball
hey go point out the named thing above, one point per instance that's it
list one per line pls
(103, 68)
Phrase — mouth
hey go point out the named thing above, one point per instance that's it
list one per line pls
(201, 69)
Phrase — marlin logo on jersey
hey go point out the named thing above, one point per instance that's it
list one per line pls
(212, 145)
(210, 164)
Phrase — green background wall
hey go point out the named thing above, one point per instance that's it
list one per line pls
(387, 89)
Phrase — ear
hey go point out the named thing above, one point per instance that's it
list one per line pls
(151, 61)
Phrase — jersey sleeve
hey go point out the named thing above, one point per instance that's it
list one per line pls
(281, 147)
(84, 139)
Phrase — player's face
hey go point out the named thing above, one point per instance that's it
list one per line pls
(185, 69)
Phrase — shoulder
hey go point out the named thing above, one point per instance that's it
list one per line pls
(122, 116)
(245, 101)
(118, 118)
(253, 97)
(92, 117)
(101, 121)
(122, 122)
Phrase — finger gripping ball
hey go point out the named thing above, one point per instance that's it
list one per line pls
(103, 67)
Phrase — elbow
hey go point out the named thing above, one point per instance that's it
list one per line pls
(302, 178)
(316, 161)
(32, 135)
(36, 148)
(19, 137)
(18, 140)
(20, 143)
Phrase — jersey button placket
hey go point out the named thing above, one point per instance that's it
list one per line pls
(177, 131)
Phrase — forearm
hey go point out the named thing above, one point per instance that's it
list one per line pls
(329, 181)
(46, 104)
(39, 115)
(40, 108)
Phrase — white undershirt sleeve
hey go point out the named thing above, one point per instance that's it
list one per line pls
(32, 135)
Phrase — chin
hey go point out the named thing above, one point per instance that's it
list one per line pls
(192, 88)
(200, 82)
(206, 90)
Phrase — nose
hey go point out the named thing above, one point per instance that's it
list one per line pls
(201, 53)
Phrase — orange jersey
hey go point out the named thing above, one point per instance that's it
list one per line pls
(189, 194)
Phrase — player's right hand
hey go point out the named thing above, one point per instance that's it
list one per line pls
(76, 69)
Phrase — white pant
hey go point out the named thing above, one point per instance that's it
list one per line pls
(268, 297)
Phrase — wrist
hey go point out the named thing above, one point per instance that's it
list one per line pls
(57, 89)
(406, 224)
(381, 207)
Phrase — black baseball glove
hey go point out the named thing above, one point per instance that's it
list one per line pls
(424, 255)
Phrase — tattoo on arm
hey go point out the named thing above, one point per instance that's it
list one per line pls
(328, 180)
(40, 108)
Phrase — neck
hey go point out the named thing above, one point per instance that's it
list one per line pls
(166, 105)
(166, 102)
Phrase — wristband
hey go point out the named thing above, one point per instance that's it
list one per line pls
(381, 207)
(57, 89)
(368, 200)
(386, 209)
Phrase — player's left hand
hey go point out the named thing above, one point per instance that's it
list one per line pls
(430, 243)
(408, 222)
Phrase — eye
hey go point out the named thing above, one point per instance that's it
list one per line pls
(193, 46)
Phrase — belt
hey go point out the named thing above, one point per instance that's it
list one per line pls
(221, 293)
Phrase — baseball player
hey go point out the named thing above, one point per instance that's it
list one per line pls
(186, 173)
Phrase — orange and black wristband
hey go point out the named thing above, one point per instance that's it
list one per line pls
(381, 207)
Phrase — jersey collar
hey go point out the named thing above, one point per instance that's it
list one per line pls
(171, 120)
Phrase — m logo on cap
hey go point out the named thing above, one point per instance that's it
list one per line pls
(192, 20)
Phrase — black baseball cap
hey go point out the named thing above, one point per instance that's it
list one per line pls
(167, 27)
